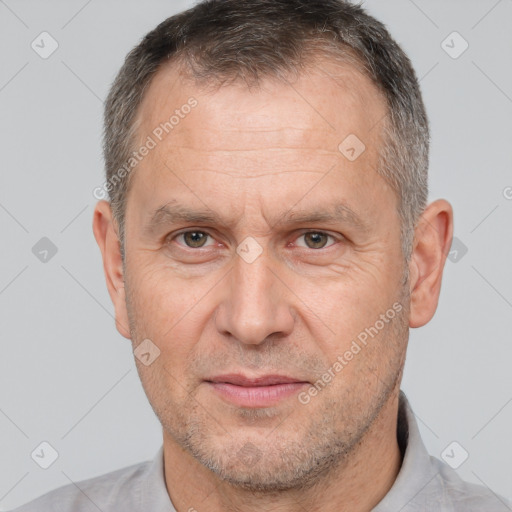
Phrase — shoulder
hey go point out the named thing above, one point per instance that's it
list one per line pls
(427, 483)
(100, 493)
(461, 496)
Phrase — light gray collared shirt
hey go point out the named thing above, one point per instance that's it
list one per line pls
(424, 483)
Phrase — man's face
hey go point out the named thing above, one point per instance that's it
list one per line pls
(291, 250)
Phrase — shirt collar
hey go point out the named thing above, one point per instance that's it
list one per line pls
(153, 492)
(416, 471)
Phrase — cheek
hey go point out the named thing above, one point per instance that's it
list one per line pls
(162, 297)
(347, 304)
(169, 311)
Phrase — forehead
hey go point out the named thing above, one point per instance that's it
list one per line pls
(324, 103)
(285, 131)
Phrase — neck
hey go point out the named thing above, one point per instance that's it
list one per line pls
(357, 484)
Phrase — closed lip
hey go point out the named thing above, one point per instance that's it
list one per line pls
(263, 380)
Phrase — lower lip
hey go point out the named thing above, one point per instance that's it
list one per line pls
(256, 396)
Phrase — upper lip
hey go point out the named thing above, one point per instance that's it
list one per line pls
(263, 380)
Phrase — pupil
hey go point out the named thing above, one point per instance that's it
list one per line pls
(316, 239)
(196, 238)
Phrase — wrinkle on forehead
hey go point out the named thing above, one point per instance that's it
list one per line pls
(171, 88)
(239, 176)
(276, 130)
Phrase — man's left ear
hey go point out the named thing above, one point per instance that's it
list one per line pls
(432, 241)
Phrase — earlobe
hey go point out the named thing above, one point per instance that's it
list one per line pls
(105, 232)
(432, 242)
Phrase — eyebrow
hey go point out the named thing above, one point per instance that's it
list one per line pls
(173, 213)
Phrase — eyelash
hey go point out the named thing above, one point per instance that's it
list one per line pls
(332, 237)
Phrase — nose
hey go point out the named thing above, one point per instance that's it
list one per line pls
(256, 304)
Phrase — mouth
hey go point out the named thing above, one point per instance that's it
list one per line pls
(261, 391)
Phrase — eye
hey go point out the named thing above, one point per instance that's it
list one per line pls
(193, 239)
(315, 239)
(196, 239)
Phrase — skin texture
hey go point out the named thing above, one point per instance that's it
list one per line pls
(256, 158)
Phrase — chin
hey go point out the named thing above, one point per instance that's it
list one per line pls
(263, 465)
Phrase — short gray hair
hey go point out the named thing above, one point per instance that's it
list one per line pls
(227, 40)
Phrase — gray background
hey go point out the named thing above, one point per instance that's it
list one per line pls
(67, 376)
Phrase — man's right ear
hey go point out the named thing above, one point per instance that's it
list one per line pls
(105, 232)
